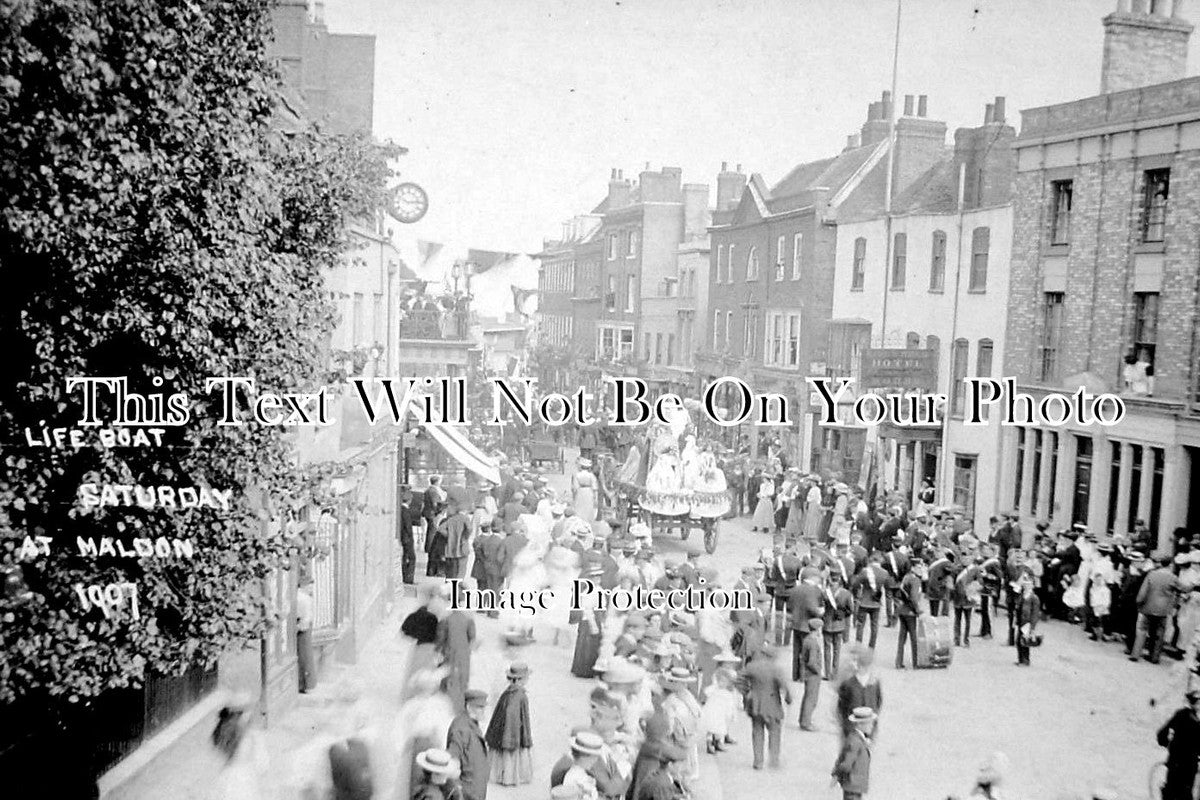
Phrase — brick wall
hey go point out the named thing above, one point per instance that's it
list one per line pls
(1141, 50)
(1099, 307)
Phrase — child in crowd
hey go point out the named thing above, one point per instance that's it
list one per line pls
(721, 702)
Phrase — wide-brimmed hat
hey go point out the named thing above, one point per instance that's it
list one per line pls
(588, 743)
(584, 462)
(437, 761)
(566, 791)
(727, 658)
(862, 714)
(619, 670)
(518, 669)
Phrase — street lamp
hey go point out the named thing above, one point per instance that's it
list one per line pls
(455, 274)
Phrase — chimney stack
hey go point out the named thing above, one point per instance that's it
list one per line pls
(619, 192)
(875, 129)
(908, 105)
(1145, 43)
(989, 112)
(729, 187)
(998, 111)
(922, 105)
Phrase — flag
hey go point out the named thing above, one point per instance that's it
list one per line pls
(486, 259)
(428, 250)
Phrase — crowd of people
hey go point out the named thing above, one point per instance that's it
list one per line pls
(665, 687)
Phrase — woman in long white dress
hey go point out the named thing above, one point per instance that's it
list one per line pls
(764, 512)
(690, 463)
(583, 491)
(664, 484)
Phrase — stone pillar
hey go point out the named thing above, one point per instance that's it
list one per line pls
(918, 471)
(1177, 476)
(1146, 489)
(1046, 476)
(1027, 488)
(1064, 486)
(1100, 487)
(1008, 469)
(1122, 523)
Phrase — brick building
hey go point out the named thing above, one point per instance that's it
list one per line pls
(568, 287)
(936, 305)
(643, 225)
(332, 74)
(773, 255)
(1104, 286)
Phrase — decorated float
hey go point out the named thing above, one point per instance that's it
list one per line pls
(671, 482)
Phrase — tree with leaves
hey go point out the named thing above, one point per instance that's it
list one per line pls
(159, 224)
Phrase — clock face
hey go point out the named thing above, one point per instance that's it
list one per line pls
(409, 203)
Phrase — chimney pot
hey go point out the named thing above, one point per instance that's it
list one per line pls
(922, 105)
(613, 177)
(739, 168)
(647, 166)
(989, 113)
(998, 110)
(724, 166)
(908, 105)
(887, 97)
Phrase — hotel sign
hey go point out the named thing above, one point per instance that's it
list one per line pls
(907, 369)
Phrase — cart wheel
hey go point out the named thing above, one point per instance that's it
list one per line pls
(710, 538)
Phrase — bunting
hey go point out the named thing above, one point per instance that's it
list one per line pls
(428, 250)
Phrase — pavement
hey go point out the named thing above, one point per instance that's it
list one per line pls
(1080, 717)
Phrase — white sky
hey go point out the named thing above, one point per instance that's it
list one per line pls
(514, 111)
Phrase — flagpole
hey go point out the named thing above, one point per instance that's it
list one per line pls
(889, 184)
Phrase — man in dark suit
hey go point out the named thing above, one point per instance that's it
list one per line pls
(806, 601)
(941, 580)
(781, 579)
(488, 570)
(765, 691)
(465, 742)
(868, 587)
(1155, 601)
(895, 564)
(408, 549)
(853, 767)
(909, 606)
(458, 542)
(515, 541)
(432, 505)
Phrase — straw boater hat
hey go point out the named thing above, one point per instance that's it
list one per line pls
(588, 743)
(566, 791)
(619, 670)
(585, 462)
(678, 676)
(726, 658)
(436, 761)
(861, 715)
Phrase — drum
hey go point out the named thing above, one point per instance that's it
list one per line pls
(934, 642)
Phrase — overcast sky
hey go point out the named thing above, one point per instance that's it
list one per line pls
(514, 111)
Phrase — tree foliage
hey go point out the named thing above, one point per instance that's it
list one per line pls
(157, 225)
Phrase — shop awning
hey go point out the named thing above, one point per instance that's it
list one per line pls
(460, 448)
